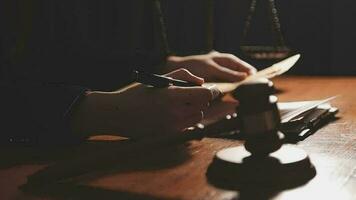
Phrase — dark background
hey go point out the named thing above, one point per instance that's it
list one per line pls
(321, 30)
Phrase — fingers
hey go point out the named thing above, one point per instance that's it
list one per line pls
(182, 115)
(234, 63)
(215, 91)
(190, 107)
(226, 74)
(187, 105)
(187, 119)
(191, 120)
(195, 95)
(185, 75)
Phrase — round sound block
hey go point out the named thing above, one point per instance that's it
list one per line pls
(286, 167)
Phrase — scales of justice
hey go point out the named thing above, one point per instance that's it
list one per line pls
(269, 45)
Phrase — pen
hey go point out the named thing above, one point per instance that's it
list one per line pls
(159, 81)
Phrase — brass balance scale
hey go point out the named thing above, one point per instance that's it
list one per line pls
(275, 51)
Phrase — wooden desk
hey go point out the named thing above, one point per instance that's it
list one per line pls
(179, 173)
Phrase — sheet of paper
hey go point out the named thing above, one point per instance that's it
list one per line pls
(270, 72)
(290, 110)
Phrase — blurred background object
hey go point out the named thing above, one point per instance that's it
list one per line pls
(270, 45)
(321, 30)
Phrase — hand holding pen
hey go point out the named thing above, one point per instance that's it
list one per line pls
(160, 81)
(139, 111)
(135, 112)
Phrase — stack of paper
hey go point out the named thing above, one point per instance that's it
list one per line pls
(290, 110)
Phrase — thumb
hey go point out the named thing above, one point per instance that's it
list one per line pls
(185, 75)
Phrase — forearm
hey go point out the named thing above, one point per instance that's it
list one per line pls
(98, 113)
(88, 117)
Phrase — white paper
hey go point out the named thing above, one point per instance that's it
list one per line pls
(290, 110)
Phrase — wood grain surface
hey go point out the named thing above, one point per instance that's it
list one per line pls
(179, 172)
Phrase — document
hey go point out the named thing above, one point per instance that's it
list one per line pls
(270, 72)
(290, 110)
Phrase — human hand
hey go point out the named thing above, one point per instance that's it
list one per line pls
(213, 66)
(138, 110)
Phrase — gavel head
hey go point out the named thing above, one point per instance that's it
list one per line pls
(259, 117)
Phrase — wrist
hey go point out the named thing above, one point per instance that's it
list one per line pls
(85, 119)
(174, 62)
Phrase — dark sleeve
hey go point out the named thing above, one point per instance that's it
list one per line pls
(34, 113)
(32, 110)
